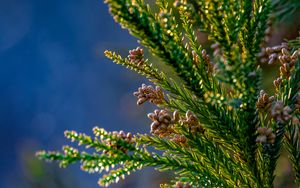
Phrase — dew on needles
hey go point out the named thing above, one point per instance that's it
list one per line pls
(212, 127)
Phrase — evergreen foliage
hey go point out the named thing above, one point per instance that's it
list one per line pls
(215, 126)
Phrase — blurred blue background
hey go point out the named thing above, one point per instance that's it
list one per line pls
(54, 77)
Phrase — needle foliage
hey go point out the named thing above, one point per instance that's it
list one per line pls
(214, 126)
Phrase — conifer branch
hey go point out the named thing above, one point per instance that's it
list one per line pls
(138, 19)
(214, 126)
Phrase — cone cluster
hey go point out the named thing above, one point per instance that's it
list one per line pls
(281, 113)
(148, 93)
(192, 121)
(136, 56)
(128, 138)
(286, 58)
(277, 83)
(182, 185)
(264, 101)
(266, 135)
(161, 124)
(178, 138)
